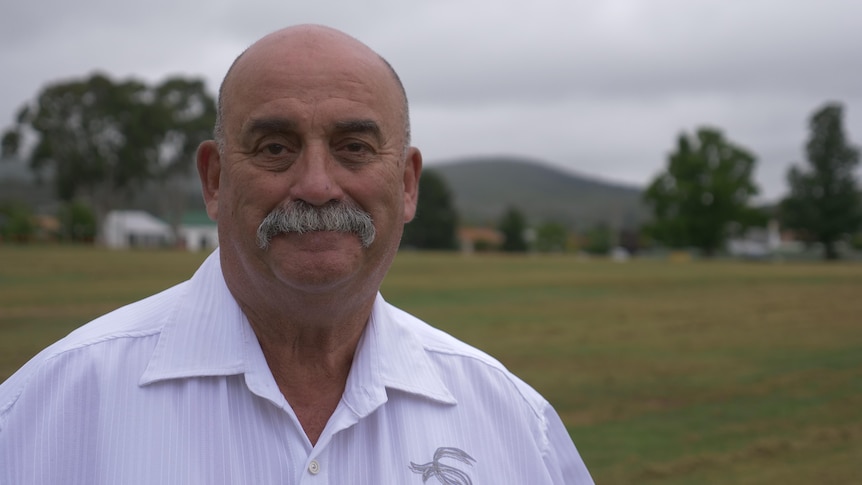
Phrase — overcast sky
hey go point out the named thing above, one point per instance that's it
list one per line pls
(600, 87)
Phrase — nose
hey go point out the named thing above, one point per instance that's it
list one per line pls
(312, 178)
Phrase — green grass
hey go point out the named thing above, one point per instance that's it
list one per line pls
(697, 373)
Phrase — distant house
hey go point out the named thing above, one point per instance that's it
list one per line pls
(135, 229)
(479, 239)
(198, 232)
(760, 242)
(47, 227)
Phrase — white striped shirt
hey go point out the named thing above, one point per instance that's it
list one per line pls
(174, 389)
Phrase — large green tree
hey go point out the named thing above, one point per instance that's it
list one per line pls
(436, 223)
(704, 192)
(100, 140)
(824, 202)
(186, 114)
(513, 225)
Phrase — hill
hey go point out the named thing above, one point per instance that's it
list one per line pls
(484, 187)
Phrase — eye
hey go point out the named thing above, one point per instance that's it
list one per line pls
(354, 153)
(355, 150)
(355, 147)
(275, 156)
(274, 149)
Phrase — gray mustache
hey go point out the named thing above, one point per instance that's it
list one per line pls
(301, 217)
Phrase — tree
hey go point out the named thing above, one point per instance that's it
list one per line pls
(9, 144)
(706, 187)
(77, 222)
(599, 239)
(100, 140)
(825, 202)
(513, 225)
(436, 221)
(551, 237)
(187, 115)
(16, 222)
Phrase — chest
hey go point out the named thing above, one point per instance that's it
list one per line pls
(395, 444)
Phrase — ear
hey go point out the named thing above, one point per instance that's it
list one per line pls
(412, 171)
(209, 171)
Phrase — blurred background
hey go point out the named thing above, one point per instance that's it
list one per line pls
(663, 196)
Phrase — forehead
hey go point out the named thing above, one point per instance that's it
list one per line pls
(313, 71)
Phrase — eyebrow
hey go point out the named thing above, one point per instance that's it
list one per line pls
(359, 126)
(287, 125)
(270, 125)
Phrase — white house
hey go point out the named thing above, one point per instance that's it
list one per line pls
(757, 242)
(198, 232)
(134, 229)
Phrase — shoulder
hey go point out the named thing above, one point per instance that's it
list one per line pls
(467, 368)
(493, 397)
(105, 338)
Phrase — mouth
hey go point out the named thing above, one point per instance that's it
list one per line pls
(318, 240)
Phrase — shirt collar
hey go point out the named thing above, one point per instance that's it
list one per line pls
(391, 356)
(208, 335)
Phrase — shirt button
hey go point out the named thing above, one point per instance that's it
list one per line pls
(314, 467)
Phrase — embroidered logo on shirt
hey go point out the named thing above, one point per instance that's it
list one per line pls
(445, 474)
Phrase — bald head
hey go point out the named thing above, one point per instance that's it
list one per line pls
(313, 42)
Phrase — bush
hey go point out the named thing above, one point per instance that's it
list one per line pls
(16, 222)
(77, 222)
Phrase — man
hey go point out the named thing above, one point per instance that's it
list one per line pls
(279, 362)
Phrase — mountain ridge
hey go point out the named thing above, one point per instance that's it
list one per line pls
(484, 187)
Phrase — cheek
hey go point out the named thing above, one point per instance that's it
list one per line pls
(387, 196)
(255, 196)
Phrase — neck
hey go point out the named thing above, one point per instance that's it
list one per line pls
(299, 327)
(310, 353)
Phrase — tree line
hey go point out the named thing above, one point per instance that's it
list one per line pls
(704, 196)
(101, 140)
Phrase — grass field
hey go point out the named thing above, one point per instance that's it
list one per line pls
(696, 373)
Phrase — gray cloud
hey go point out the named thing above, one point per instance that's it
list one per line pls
(601, 88)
